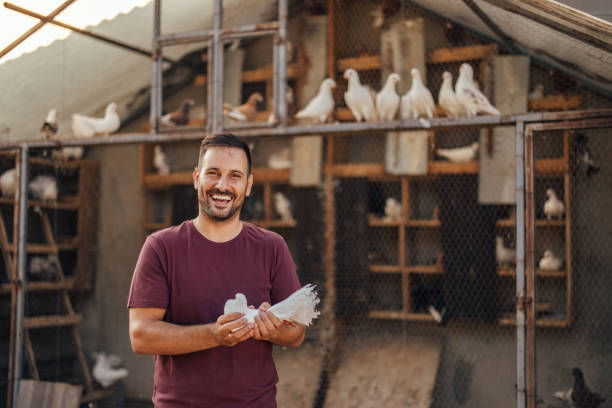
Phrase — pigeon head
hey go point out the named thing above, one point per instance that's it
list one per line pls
(157, 149)
(254, 98)
(475, 146)
(394, 78)
(466, 70)
(447, 76)
(578, 376)
(328, 84)
(550, 192)
(548, 253)
(111, 108)
(52, 116)
(415, 73)
(350, 74)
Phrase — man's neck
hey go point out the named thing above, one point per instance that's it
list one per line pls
(218, 231)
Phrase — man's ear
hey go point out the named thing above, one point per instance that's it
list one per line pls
(249, 185)
(196, 178)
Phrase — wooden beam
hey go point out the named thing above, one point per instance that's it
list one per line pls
(555, 102)
(459, 54)
(363, 63)
(266, 73)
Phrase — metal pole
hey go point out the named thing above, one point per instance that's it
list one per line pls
(530, 297)
(32, 30)
(217, 124)
(210, 81)
(520, 263)
(156, 74)
(282, 62)
(86, 33)
(21, 269)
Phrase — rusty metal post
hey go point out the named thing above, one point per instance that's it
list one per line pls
(519, 164)
(21, 269)
(156, 74)
(530, 290)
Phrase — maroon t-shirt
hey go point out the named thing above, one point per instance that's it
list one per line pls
(191, 277)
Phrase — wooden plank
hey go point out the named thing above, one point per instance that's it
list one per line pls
(541, 322)
(266, 73)
(509, 223)
(568, 242)
(87, 226)
(425, 269)
(399, 315)
(446, 167)
(51, 321)
(41, 286)
(539, 273)
(385, 268)
(200, 80)
(65, 203)
(432, 223)
(555, 103)
(362, 63)
(274, 176)
(358, 170)
(30, 354)
(70, 245)
(43, 394)
(462, 54)
(376, 221)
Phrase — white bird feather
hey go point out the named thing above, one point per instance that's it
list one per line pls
(105, 371)
(553, 207)
(550, 262)
(470, 96)
(358, 98)
(283, 206)
(321, 105)
(85, 126)
(417, 102)
(459, 154)
(448, 99)
(44, 188)
(387, 100)
(503, 255)
(160, 161)
(8, 182)
(299, 307)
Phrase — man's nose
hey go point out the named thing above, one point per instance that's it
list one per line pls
(223, 182)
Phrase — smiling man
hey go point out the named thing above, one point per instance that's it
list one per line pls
(184, 275)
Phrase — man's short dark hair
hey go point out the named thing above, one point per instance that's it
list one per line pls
(224, 140)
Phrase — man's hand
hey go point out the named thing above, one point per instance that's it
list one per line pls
(267, 325)
(231, 329)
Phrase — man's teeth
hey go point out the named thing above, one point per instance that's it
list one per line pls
(221, 197)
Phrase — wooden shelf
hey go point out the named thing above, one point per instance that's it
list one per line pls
(446, 167)
(385, 268)
(413, 269)
(51, 321)
(376, 221)
(540, 322)
(40, 286)
(555, 103)
(48, 249)
(362, 63)
(539, 272)
(430, 223)
(266, 74)
(400, 315)
(154, 181)
(65, 203)
(538, 223)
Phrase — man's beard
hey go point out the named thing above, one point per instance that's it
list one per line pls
(205, 205)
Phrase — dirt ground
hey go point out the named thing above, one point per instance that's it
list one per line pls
(298, 371)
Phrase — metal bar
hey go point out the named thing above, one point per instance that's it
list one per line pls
(210, 80)
(576, 124)
(509, 42)
(156, 74)
(86, 33)
(275, 98)
(519, 164)
(332, 128)
(217, 119)
(261, 33)
(530, 290)
(32, 30)
(282, 62)
(234, 32)
(21, 268)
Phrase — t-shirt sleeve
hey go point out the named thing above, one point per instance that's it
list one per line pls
(284, 277)
(149, 286)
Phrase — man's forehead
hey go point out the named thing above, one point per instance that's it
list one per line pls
(224, 156)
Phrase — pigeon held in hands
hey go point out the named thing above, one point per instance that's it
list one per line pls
(298, 308)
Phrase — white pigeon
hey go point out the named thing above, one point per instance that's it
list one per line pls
(49, 127)
(43, 268)
(565, 396)
(85, 126)
(358, 98)
(448, 99)
(105, 371)
(469, 95)
(387, 100)
(418, 101)
(503, 255)
(459, 154)
(393, 209)
(280, 159)
(44, 188)
(283, 206)
(8, 183)
(553, 207)
(299, 307)
(321, 105)
(68, 153)
(550, 262)
(160, 161)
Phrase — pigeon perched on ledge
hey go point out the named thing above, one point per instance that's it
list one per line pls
(550, 262)
(358, 98)
(44, 188)
(85, 126)
(553, 207)
(49, 128)
(448, 99)
(8, 181)
(470, 96)
(459, 154)
(582, 397)
(321, 105)
(387, 100)
(179, 117)
(418, 101)
(246, 112)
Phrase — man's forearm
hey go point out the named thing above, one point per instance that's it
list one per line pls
(159, 337)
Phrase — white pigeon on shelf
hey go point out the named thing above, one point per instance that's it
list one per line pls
(469, 94)
(553, 207)
(68, 153)
(8, 183)
(448, 99)
(280, 159)
(283, 206)
(160, 161)
(393, 209)
(43, 268)
(105, 369)
(49, 127)
(44, 188)
(387, 100)
(418, 101)
(503, 255)
(565, 396)
(321, 105)
(298, 308)
(85, 126)
(459, 154)
(358, 98)
(550, 262)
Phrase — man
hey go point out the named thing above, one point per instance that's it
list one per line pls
(184, 275)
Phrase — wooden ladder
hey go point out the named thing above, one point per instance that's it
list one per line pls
(69, 319)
